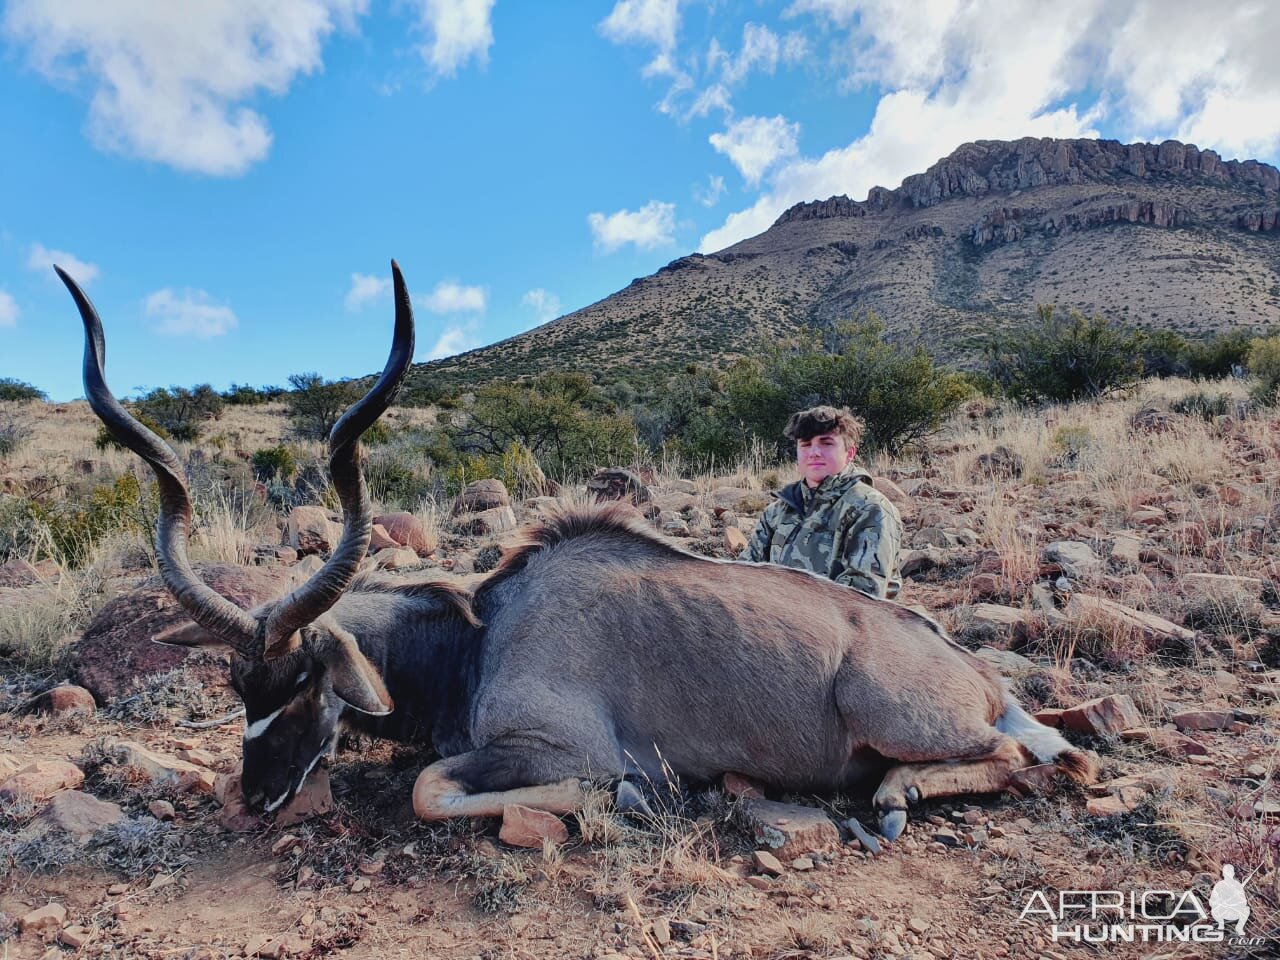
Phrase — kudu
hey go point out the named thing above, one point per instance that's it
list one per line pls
(597, 649)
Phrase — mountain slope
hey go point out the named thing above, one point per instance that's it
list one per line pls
(1156, 235)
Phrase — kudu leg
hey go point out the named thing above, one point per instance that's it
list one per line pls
(913, 782)
(441, 792)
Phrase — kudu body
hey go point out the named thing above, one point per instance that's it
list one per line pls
(598, 650)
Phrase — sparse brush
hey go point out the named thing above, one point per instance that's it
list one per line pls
(156, 700)
(136, 846)
(500, 883)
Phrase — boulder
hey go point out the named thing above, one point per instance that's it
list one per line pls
(407, 530)
(116, 648)
(160, 770)
(65, 698)
(49, 917)
(487, 523)
(309, 530)
(480, 495)
(40, 780)
(787, 829)
(379, 539)
(615, 483)
(525, 827)
(735, 541)
(895, 494)
(1076, 558)
(1203, 719)
(1103, 715)
(1082, 608)
(396, 558)
(76, 814)
(1126, 549)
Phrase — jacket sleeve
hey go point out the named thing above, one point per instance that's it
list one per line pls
(758, 546)
(870, 555)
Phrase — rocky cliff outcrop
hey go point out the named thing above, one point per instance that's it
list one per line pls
(1008, 224)
(988, 167)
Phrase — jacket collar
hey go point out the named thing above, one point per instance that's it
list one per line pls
(793, 494)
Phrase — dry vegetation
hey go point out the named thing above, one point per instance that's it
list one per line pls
(985, 501)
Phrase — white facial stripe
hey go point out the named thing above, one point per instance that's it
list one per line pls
(259, 727)
(275, 803)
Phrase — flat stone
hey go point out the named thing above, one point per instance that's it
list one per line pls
(486, 522)
(1103, 715)
(1203, 719)
(1126, 548)
(161, 809)
(1167, 742)
(315, 799)
(766, 862)
(41, 779)
(1088, 609)
(1077, 559)
(788, 829)
(1006, 661)
(161, 771)
(526, 827)
(49, 917)
(396, 558)
(735, 541)
(1108, 806)
(76, 814)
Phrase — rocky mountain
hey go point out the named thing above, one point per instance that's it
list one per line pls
(1155, 235)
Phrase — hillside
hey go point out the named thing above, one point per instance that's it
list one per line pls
(1157, 235)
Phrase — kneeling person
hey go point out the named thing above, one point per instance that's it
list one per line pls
(831, 521)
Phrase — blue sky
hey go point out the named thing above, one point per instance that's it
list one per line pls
(230, 178)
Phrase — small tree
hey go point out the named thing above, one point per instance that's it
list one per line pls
(1264, 364)
(11, 389)
(181, 412)
(1059, 359)
(316, 403)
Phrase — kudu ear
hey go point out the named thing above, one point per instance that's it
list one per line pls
(355, 681)
(187, 634)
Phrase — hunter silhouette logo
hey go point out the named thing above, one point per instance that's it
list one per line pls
(1227, 902)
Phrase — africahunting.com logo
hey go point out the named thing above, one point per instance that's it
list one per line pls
(1145, 916)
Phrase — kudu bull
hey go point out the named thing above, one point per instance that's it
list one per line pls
(598, 649)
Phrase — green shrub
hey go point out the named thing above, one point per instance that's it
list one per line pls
(181, 412)
(1059, 359)
(398, 476)
(1217, 358)
(316, 403)
(12, 436)
(243, 395)
(67, 530)
(899, 393)
(1264, 364)
(1203, 405)
(274, 463)
(13, 389)
(104, 439)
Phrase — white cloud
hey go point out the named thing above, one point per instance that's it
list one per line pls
(8, 310)
(653, 225)
(754, 144)
(366, 288)
(449, 296)
(454, 340)
(643, 21)
(460, 30)
(710, 194)
(170, 82)
(544, 304)
(760, 50)
(42, 260)
(193, 313)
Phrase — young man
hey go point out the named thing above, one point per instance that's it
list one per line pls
(831, 521)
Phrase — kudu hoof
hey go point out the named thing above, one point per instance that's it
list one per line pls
(628, 799)
(892, 823)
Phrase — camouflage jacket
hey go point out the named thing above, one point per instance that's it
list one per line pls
(845, 530)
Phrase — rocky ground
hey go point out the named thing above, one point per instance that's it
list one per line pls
(1115, 561)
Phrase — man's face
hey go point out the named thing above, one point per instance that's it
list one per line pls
(822, 456)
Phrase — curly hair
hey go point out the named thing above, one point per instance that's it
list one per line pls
(807, 424)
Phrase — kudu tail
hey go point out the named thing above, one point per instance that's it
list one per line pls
(1045, 743)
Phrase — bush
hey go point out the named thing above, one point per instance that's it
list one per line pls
(274, 463)
(899, 393)
(179, 411)
(1057, 359)
(12, 436)
(243, 395)
(1264, 364)
(104, 439)
(74, 527)
(316, 404)
(1218, 358)
(1203, 405)
(568, 426)
(12, 389)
